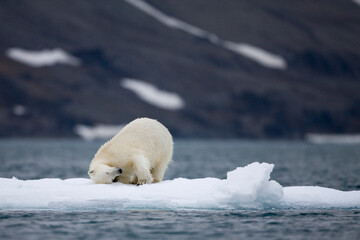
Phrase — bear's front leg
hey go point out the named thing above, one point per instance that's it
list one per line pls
(141, 167)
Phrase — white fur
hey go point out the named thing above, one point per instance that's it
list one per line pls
(142, 149)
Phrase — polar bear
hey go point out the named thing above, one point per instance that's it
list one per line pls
(138, 154)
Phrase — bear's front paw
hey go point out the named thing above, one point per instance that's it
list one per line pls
(141, 182)
(144, 181)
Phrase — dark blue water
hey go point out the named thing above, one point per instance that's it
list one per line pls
(296, 164)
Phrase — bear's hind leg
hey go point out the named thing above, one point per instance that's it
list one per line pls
(141, 167)
(159, 171)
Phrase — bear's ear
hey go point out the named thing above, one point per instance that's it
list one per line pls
(90, 171)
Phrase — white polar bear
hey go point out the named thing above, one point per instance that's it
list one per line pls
(138, 154)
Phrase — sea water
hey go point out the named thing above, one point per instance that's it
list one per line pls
(295, 164)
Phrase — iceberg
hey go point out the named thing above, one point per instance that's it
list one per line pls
(99, 131)
(333, 138)
(246, 187)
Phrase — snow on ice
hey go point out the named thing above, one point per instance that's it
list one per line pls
(246, 187)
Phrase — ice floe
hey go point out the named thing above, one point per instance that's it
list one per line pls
(42, 58)
(99, 131)
(333, 138)
(256, 54)
(246, 187)
(152, 95)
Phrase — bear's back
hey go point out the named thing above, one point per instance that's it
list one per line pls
(146, 135)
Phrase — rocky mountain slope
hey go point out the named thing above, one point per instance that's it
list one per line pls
(254, 69)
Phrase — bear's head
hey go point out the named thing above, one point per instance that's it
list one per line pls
(104, 174)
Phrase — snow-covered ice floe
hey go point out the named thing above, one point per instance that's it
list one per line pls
(152, 95)
(99, 131)
(256, 54)
(42, 58)
(333, 138)
(246, 187)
